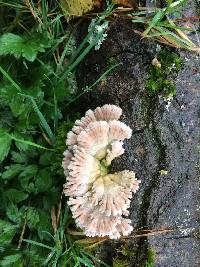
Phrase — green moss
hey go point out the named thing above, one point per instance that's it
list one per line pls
(158, 80)
(111, 61)
(150, 261)
(123, 257)
(125, 251)
(196, 234)
(120, 263)
(167, 58)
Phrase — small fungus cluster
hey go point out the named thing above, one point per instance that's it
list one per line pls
(99, 200)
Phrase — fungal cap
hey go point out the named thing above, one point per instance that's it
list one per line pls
(118, 131)
(107, 113)
(94, 137)
(83, 169)
(115, 151)
(112, 192)
(104, 113)
(98, 200)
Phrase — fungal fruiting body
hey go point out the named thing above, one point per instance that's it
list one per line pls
(99, 200)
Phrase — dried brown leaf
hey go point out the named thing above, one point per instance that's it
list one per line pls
(125, 3)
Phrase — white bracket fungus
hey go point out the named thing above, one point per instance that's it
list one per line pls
(99, 200)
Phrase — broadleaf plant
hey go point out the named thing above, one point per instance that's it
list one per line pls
(38, 89)
(26, 46)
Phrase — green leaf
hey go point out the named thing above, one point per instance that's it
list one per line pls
(7, 232)
(46, 158)
(33, 217)
(15, 195)
(19, 140)
(12, 171)
(26, 176)
(21, 46)
(9, 260)
(43, 180)
(51, 198)
(44, 225)
(5, 143)
(19, 157)
(7, 92)
(19, 107)
(13, 213)
(29, 171)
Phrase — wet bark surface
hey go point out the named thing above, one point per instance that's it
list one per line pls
(163, 150)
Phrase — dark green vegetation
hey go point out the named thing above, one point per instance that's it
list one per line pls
(150, 261)
(37, 92)
(125, 255)
(168, 64)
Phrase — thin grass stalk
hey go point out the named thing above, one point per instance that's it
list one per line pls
(38, 244)
(95, 83)
(85, 40)
(83, 54)
(43, 121)
(60, 63)
(10, 79)
(26, 142)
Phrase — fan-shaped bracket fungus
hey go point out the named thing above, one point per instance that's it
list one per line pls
(99, 200)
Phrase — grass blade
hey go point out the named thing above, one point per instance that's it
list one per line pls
(28, 142)
(107, 12)
(159, 15)
(87, 89)
(175, 38)
(42, 119)
(10, 79)
(49, 257)
(38, 244)
(81, 57)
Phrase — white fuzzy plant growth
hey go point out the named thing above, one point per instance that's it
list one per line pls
(99, 200)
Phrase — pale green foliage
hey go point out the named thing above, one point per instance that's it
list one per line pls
(10, 260)
(151, 255)
(7, 232)
(22, 46)
(5, 143)
(11, 171)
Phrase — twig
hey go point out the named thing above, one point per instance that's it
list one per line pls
(53, 219)
(151, 233)
(101, 239)
(23, 230)
(36, 17)
(59, 209)
(72, 232)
